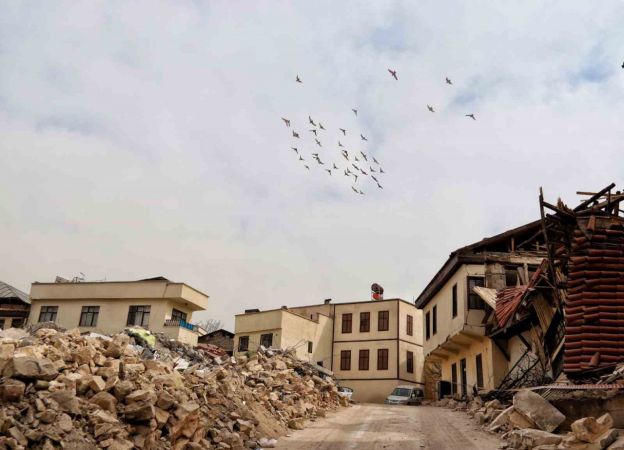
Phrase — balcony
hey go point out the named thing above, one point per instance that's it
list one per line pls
(182, 324)
(182, 331)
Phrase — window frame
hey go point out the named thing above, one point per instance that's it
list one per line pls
(310, 346)
(347, 323)
(454, 378)
(454, 300)
(409, 362)
(87, 312)
(479, 304)
(145, 312)
(479, 370)
(176, 314)
(365, 324)
(264, 337)
(382, 358)
(427, 325)
(345, 360)
(434, 320)
(364, 359)
(383, 320)
(51, 311)
(241, 340)
(410, 325)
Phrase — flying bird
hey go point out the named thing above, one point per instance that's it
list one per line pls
(379, 186)
(321, 126)
(363, 138)
(623, 65)
(381, 170)
(328, 171)
(371, 169)
(363, 173)
(430, 108)
(339, 144)
(301, 158)
(318, 142)
(313, 131)
(295, 134)
(315, 155)
(393, 73)
(346, 173)
(448, 81)
(335, 167)
(343, 131)
(355, 166)
(361, 193)
(356, 177)
(363, 155)
(286, 121)
(354, 189)
(376, 162)
(345, 156)
(295, 149)
(311, 121)
(354, 111)
(472, 116)
(373, 177)
(298, 80)
(356, 158)
(306, 166)
(320, 162)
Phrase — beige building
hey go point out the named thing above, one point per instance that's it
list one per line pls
(455, 314)
(108, 307)
(371, 346)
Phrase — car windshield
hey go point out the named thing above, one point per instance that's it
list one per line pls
(401, 392)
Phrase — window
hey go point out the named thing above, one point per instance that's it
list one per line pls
(346, 322)
(455, 300)
(427, 326)
(474, 301)
(309, 346)
(1, 324)
(243, 343)
(382, 359)
(363, 361)
(410, 362)
(48, 313)
(178, 315)
(454, 378)
(139, 315)
(364, 322)
(345, 360)
(410, 325)
(266, 340)
(479, 362)
(464, 382)
(383, 322)
(89, 316)
(15, 323)
(434, 318)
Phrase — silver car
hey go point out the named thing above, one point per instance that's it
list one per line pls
(405, 395)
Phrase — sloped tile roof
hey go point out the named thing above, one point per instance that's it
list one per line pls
(8, 291)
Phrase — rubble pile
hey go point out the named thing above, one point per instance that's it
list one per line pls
(65, 390)
(531, 422)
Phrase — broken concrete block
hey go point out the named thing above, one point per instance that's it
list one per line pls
(530, 438)
(517, 420)
(588, 429)
(104, 400)
(501, 420)
(618, 444)
(535, 408)
(31, 368)
(12, 390)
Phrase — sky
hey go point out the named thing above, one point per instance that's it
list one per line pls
(145, 138)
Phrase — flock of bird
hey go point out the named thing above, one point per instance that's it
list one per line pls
(353, 167)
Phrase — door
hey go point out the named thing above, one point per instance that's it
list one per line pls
(464, 382)
(444, 389)
(454, 379)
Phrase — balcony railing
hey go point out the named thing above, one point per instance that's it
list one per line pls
(182, 324)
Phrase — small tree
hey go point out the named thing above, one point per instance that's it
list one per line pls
(210, 325)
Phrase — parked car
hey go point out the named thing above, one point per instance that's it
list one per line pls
(345, 392)
(405, 395)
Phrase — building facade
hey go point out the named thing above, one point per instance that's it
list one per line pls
(14, 307)
(221, 338)
(371, 346)
(108, 307)
(456, 305)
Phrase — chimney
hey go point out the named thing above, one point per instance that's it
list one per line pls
(327, 301)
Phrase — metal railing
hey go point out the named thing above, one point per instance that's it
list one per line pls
(182, 324)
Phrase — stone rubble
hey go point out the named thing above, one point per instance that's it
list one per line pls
(531, 422)
(61, 389)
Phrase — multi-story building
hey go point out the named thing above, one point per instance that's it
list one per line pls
(14, 307)
(455, 313)
(108, 307)
(371, 346)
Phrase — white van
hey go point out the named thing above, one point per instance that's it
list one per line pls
(405, 395)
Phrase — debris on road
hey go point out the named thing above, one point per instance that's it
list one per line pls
(66, 390)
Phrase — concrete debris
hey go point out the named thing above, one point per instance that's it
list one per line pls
(536, 409)
(61, 389)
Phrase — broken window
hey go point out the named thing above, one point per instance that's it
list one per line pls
(427, 326)
(364, 322)
(363, 360)
(479, 363)
(410, 325)
(382, 359)
(345, 359)
(139, 315)
(266, 340)
(243, 343)
(435, 319)
(474, 301)
(346, 322)
(455, 300)
(48, 313)
(410, 362)
(383, 321)
(89, 316)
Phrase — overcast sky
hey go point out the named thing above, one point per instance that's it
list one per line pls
(142, 138)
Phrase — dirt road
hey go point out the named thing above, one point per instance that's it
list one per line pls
(377, 427)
